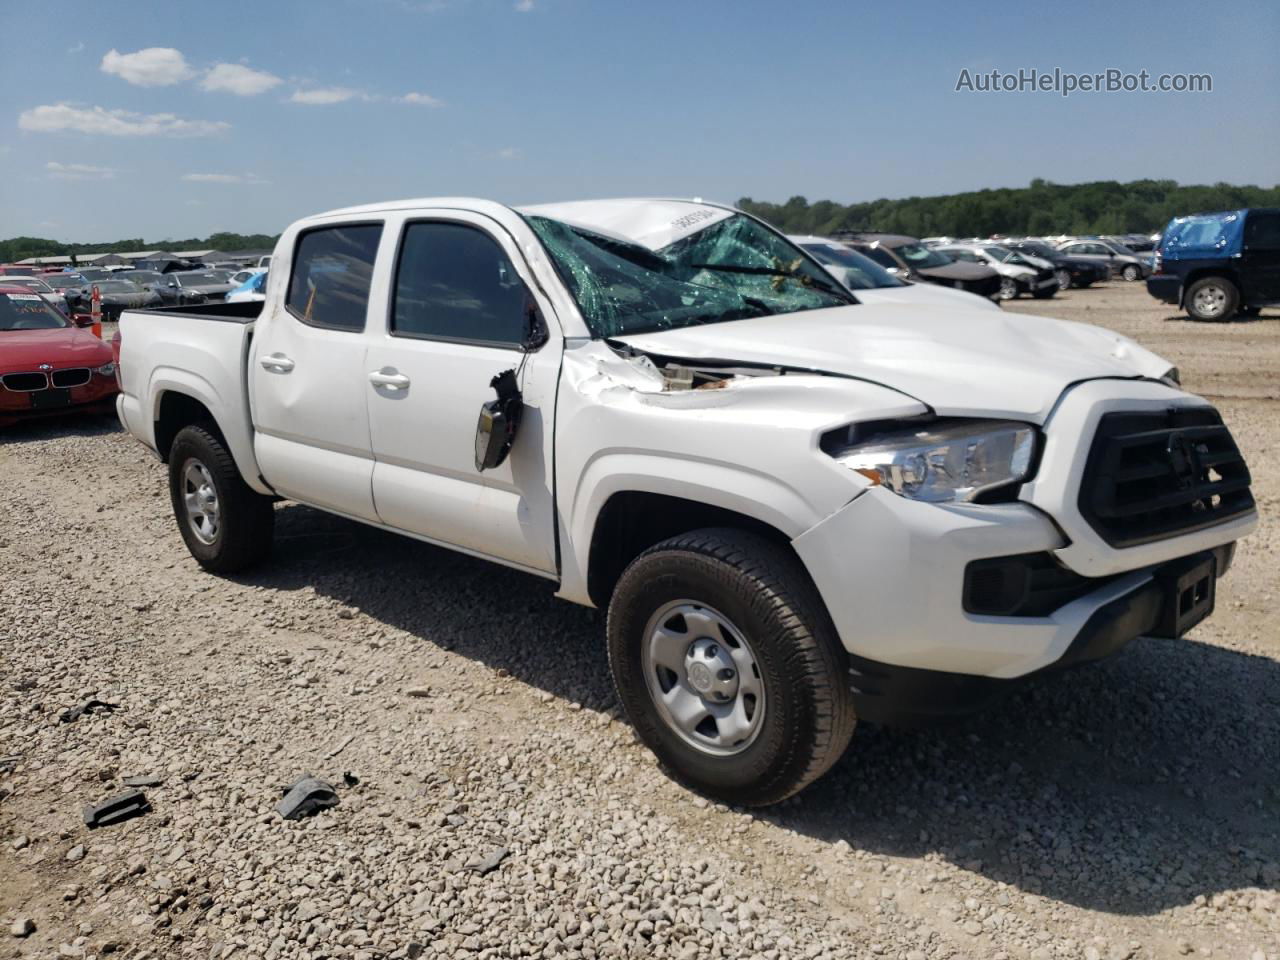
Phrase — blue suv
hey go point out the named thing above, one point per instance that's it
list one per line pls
(1215, 265)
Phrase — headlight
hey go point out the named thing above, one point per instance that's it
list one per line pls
(106, 370)
(946, 461)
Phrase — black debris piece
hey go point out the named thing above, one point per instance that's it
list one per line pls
(350, 779)
(10, 762)
(306, 796)
(487, 863)
(126, 806)
(143, 780)
(72, 714)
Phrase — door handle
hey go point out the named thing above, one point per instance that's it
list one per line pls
(277, 362)
(392, 381)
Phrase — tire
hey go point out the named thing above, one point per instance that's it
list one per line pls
(200, 465)
(1212, 299)
(770, 614)
(1008, 289)
(1131, 272)
(1064, 279)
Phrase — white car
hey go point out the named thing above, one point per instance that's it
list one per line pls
(1017, 276)
(797, 510)
(872, 283)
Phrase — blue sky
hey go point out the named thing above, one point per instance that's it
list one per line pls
(272, 110)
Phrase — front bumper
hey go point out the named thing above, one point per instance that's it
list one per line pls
(96, 396)
(891, 570)
(1165, 287)
(885, 693)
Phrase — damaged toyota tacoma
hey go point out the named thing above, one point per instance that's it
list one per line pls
(797, 510)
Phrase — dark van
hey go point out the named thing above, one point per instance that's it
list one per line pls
(1215, 265)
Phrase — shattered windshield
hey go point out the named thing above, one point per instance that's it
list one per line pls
(732, 270)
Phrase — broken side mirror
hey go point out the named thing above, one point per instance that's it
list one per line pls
(535, 327)
(499, 419)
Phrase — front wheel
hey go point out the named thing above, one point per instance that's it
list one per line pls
(1212, 298)
(1064, 279)
(227, 525)
(728, 666)
(1008, 289)
(1131, 272)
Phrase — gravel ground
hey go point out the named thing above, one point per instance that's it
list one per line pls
(1128, 809)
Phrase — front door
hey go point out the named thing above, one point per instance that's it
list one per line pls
(1260, 266)
(308, 375)
(457, 317)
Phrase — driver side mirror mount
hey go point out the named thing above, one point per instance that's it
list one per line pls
(535, 328)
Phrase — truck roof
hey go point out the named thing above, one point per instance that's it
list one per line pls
(653, 222)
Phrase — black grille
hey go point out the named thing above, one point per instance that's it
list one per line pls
(24, 382)
(75, 377)
(1024, 585)
(1152, 476)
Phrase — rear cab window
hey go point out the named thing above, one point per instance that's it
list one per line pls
(332, 273)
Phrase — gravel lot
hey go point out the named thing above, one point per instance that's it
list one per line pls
(1129, 809)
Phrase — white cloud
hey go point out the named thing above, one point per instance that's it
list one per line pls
(152, 67)
(77, 171)
(322, 96)
(510, 153)
(77, 48)
(239, 79)
(223, 178)
(420, 99)
(114, 123)
(524, 6)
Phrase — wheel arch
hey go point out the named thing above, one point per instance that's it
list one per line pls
(181, 398)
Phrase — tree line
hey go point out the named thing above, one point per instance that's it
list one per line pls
(20, 248)
(1041, 209)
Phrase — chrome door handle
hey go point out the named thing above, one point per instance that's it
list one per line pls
(392, 381)
(277, 362)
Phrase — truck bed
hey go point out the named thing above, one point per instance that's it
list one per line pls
(242, 311)
(200, 352)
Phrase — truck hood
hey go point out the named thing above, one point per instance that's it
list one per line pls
(960, 362)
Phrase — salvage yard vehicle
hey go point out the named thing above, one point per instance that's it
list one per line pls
(907, 258)
(1015, 278)
(1217, 265)
(1121, 261)
(47, 366)
(115, 296)
(797, 509)
(1071, 271)
(872, 283)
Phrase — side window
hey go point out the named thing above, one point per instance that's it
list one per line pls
(332, 270)
(454, 282)
(1262, 231)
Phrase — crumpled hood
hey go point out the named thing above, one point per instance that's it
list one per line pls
(25, 350)
(960, 362)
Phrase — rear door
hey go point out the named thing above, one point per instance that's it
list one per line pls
(308, 376)
(458, 306)
(1260, 256)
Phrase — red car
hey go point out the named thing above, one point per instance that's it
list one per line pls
(47, 365)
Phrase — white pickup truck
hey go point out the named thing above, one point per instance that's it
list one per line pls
(797, 509)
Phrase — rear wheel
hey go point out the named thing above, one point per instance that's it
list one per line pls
(729, 667)
(1212, 298)
(1131, 272)
(226, 525)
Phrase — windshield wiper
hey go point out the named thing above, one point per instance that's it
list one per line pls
(802, 278)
